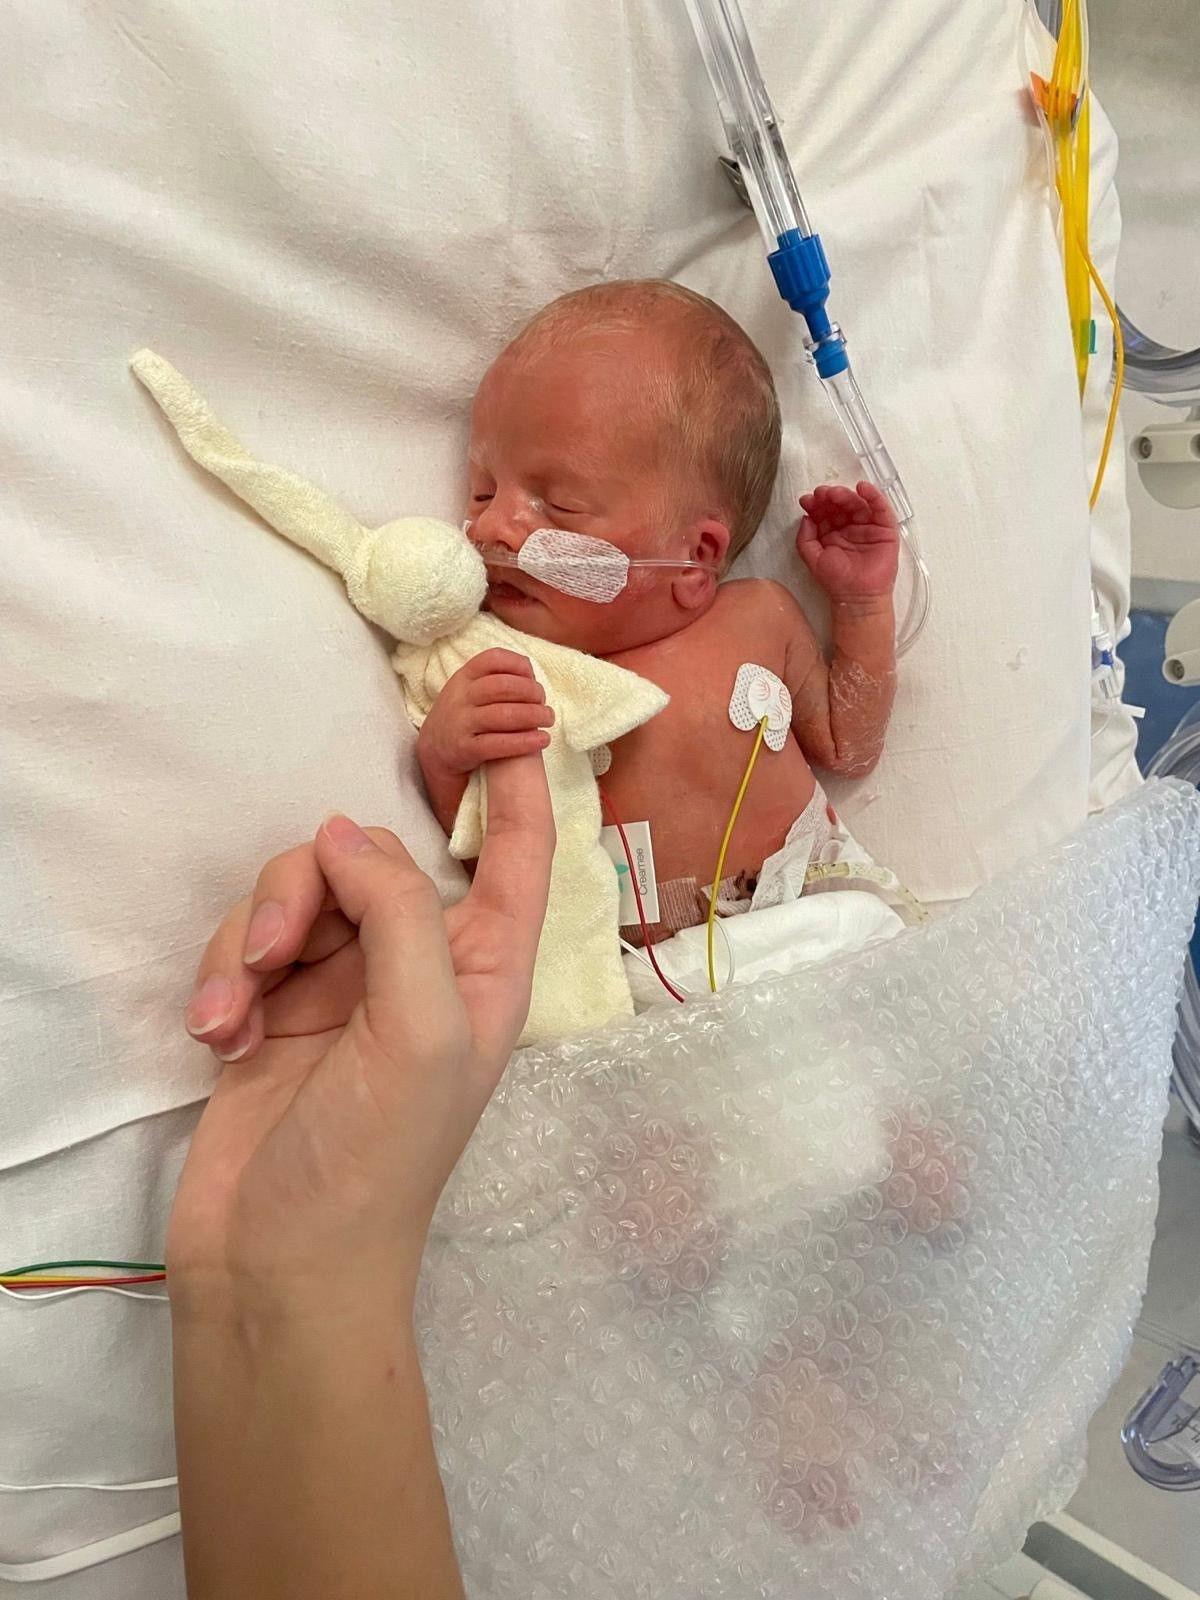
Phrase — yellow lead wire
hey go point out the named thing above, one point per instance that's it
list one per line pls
(729, 827)
(1118, 379)
(1064, 105)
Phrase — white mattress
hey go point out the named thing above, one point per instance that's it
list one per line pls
(330, 217)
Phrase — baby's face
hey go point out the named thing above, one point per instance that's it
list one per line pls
(567, 439)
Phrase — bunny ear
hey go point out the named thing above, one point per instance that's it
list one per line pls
(292, 506)
(595, 701)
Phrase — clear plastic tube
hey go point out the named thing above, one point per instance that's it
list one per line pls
(730, 961)
(1163, 1415)
(851, 411)
(877, 465)
(1168, 375)
(580, 565)
(768, 184)
(751, 125)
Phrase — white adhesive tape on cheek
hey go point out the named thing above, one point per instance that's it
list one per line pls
(758, 693)
(575, 564)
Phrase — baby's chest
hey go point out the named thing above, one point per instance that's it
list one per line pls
(682, 769)
(706, 674)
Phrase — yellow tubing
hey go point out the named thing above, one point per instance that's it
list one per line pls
(729, 827)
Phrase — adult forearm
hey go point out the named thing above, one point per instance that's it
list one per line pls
(306, 1464)
(862, 681)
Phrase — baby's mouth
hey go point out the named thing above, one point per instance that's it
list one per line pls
(499, 589)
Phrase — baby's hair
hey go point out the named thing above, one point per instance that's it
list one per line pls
(719, 403)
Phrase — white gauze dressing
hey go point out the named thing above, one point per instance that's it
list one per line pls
(577, 564)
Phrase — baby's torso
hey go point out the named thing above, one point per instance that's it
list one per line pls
(681, 771)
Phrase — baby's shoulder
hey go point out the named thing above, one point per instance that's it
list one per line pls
(760, 602)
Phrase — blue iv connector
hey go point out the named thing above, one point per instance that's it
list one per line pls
(802, 278)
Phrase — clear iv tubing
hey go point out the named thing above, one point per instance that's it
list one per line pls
(798, 263)
(497, 557)
(877, 466)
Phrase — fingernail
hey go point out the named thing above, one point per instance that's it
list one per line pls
(210, 1007)
(346, 835)
(237, 1046)
(263, 933)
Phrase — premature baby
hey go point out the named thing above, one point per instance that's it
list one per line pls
(642, 414)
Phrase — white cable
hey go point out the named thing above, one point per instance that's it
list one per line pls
(649, 965)
(82, 1288)
(97, 1488)
(91, 1555)
(632, 949)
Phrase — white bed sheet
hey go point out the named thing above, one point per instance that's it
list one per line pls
(331, 216)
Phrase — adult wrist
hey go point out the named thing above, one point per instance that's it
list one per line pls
(266, 1304)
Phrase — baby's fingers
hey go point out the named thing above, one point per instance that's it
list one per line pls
(496, 660)
(511, 718)
(505, 686)
(843, 504)
(831, 505)
(878, 504)
(808, 538)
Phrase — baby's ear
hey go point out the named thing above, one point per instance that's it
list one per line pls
(710, 542)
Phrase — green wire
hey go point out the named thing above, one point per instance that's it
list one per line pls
(46, 1266)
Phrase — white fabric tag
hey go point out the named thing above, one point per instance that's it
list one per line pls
(638, 835)
(758, 693)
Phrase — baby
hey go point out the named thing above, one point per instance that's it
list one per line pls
(641, 413)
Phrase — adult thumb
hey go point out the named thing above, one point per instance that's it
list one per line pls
(410, 987)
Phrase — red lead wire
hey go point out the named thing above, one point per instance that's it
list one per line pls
(81, 1283)
(637, 895)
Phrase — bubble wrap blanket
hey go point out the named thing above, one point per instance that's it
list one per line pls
(810, 1289)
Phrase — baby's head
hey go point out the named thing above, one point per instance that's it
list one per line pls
(636, 412)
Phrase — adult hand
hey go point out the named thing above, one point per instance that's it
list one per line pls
(364, 1029)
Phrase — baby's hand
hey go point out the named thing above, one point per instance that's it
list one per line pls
(489, 710)
(850, 541)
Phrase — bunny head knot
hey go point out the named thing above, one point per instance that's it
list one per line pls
(419, 579)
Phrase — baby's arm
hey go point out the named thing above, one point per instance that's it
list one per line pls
(849, 540)
(490, 709)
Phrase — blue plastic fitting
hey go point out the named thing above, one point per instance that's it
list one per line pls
(802, 278)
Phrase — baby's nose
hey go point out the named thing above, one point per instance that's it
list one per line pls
(505, 520)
